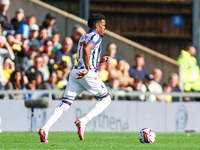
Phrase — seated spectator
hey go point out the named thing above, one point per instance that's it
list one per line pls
(158, 88)
(65, 53)
(167, 88)
(137, 69)
(174, 80)
(50, 24)
(18, 19)
(24, 28)
(77, 32)
(48, 49)
(33, 36)
(112, 78)
(46, 67)
(31, 85)
(112, 52)
(122, 73)
(18, 37)
(16, 82)
(18, 50)
(28, 61)
(25, 41)
(102, 72)
(39, 80)
(43, 36)
(6, 25)
(63, 73)
(157, 73)
(5, 51)
(38, 61)
(8, 68)
(56, 42)
(51, 84)
(149, 87)
(136, 86)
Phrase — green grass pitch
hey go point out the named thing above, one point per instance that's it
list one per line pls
(98, 141)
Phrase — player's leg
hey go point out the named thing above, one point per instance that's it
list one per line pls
(72, 90)
(93, 84)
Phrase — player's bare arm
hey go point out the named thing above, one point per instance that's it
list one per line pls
(86, 58)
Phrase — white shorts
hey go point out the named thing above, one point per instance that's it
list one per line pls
(90, 82)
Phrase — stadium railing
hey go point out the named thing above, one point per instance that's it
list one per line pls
(114, 93)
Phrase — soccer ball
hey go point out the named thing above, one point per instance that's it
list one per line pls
(147, 135)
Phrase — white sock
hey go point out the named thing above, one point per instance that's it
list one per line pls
(96, 110)
(62, 107)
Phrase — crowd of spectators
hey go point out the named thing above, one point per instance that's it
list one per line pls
(32, 57)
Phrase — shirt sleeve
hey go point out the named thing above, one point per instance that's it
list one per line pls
(94, 39)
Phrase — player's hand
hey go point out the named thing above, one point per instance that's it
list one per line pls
(82, 74)
(104, 59)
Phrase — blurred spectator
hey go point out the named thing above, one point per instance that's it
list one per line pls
(5, 51)
(157, 87)
(112, 52)
(34, 31)
(48, 49)
(31, 85)
(4, 18)
(51, 84)
(56, 41)
(25, 41)
(157, 73)
(46, 67)
(24, 28)
(63, 74)
(39, 80)
(77, 32)
(136, 85)
(43, 36)
(18, 50)
(137, 69)
(122, 73)
(27, 62)
(149, 87)
(167, 88)
(16, 82)
(191, 73)
(112, 78)
(18, 19)
(38, 62)
(102, 72)
(8, 68)
(50, 24)
(174, 80)
(18, 37)
(65, 53)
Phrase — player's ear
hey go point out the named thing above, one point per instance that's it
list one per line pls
(96, 25)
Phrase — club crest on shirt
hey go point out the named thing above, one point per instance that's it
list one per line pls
(95, 38)
(79, 63)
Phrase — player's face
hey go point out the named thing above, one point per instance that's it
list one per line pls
(101, 27)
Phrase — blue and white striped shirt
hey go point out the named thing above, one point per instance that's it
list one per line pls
(93, 37)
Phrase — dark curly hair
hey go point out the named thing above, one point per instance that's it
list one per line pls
(12, 78)
(94, 18)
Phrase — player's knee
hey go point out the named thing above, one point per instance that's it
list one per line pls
(64, 106)
(107, 99)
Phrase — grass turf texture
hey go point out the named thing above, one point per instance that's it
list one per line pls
(98, 140)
